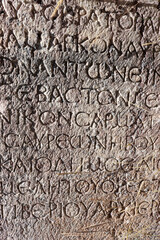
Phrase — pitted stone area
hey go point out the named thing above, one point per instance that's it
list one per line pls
(79, 120)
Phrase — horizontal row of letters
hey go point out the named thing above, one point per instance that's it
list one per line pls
(104, 187)
(104, 141)
(72, 209)
(86, 95)
(70, 166)
(72, 69)
(76, 15)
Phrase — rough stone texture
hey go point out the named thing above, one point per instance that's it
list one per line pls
(79, 120)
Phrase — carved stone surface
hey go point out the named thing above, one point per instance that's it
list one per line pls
(79, 120)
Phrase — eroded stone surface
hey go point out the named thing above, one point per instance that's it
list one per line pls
(79, 120)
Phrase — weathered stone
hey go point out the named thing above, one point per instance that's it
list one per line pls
(79, 120)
